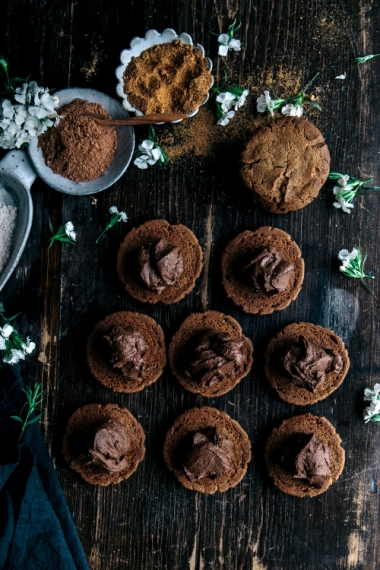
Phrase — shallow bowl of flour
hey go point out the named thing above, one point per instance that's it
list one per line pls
(123, 154)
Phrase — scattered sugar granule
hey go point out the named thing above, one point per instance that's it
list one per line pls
(7, 224)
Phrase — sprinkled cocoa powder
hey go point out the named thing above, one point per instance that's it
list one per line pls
(170, 77)
(78, 148)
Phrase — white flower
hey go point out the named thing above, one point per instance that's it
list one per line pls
(341, 203)
(28, 346)
(345, 256)
(122, 215)
(6, 331)
(2, 343)
(69, 229)
(113, 210)
(343, 181)
(228, 44)
(342, 76)
(150, 154)
(264, 103)
(291, 111)
(223, 121)
(226, 100)
(17, 355)
(372, 394)
(372, 410)
(241, 100)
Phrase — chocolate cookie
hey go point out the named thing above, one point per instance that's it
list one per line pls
(209, 355)
(304, 455)
(104, 444)
(159, 262)
(285, 164)
(126, 351)
(262, 270)
(207, 450)
(305, 363)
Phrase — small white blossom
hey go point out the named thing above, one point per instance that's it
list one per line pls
(2, 343)
(226, 100)
(34, 114)
(291, 111)
(150, 154)
(227, 43)
(122, 215)
(241, 100)
(28, 346)
(344, 255)
(342, 76)
(265, 103)
(223, 121)
(6, 331)
(69, 229)
(16, 356)
(370, 394)
(341, 203)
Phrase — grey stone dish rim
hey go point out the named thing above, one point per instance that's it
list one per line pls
(18, 176)
(123, 156)
(138, 45)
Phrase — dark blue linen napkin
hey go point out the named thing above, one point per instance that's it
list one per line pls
(36, 528)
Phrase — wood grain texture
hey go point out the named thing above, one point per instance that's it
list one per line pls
(150, 521)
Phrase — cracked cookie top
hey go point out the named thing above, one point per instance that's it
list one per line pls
(285, 164)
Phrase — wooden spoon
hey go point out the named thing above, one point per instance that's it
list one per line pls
(143, 120)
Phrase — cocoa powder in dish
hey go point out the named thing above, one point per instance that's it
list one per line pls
(170, 77)
(77, 148)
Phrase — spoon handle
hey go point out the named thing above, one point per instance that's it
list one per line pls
(143, 120)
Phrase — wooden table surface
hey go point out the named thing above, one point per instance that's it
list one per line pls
(151, 521)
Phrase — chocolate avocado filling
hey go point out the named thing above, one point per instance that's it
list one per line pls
(213, 356)
(160, 265)
(307, 364)
(210, 455)
(127, 352)
(308, 458)
(110, 446)
(268, 272)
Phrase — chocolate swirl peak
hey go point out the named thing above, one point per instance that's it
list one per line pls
(213, 356)
(127, 352)
(110, 446)
(210, 455)
(268, 272)
(160, 265)
(307, 364)
(308, 458)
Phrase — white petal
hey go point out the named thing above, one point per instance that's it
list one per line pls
(2, 343)
(146, 145)
(123, 217)
(140, 163)
(342, 76)
(69, 226)
(235, 45)
(6, 331)
(223, 39)
(156, 154)
(113, 210)
(223, 50)
(20, 93)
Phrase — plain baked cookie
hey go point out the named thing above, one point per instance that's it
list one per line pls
(78, 440)
(289, 337)
(285, 164)
(237, 281)
(209, 354)
(201, 431)
(150, 342)
(304, 425)
(154, 239)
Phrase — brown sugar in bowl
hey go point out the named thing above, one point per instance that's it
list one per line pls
(151, 232)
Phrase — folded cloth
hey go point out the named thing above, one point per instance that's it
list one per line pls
(36, 528)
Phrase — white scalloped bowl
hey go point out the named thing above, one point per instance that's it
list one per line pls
(138, 45)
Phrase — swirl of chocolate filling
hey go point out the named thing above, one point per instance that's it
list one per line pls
(213, 356)
(268, 272)
(127, 349)
(307, 458)
(160, 265)
(210, 455)
(307, 364)
(110, 446)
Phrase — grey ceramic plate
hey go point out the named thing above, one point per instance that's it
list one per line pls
(123, 154)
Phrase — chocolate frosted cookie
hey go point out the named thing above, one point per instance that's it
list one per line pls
(207, 450)
(304, 456)
(104, 444)
(262, 270)
(126, 351)
(209, 355)
(305, 363)
(285, 164)
(159, 262)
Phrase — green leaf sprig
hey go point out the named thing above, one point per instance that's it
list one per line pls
(33, 402)
(365, 58)
(114, 217)
(299, 98)
(353, 265)
(10, 84)
(347, 186)
(13, 346)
